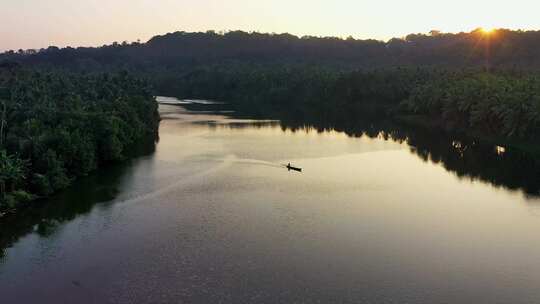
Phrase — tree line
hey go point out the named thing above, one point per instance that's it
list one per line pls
(502, 105)
(474, 82)
(182, 51)
(497, 104)
(56, 126)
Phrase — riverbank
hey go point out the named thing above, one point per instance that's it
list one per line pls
(62, 126)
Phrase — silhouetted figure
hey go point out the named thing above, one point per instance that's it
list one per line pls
(289, 168)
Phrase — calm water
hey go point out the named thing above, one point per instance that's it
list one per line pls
(211, 217)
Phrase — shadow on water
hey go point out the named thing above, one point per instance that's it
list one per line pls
(467, 158)
(470, 159)
(43, 217)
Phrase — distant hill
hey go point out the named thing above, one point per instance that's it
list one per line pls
(182, 51)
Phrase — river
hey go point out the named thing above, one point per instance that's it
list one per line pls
(212, 216)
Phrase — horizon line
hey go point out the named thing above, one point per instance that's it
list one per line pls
(299, 36)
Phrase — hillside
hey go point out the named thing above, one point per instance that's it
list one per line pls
(181, 51)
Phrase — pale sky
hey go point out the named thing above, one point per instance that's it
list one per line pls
(40, 23)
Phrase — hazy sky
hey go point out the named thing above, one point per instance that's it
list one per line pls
(40, 23)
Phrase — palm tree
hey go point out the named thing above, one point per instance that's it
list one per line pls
(12, 171)
(3, 114)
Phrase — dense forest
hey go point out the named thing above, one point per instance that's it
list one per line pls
(66, 111)
(479, 82)
(182, 51)
(502, 106)
(57, 126)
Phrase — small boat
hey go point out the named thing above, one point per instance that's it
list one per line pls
(289, 168)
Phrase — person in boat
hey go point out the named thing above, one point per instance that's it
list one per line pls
(289, 167)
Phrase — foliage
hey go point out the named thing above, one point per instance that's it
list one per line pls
(12, 172)
(503, 105)
(178, 52)
(495, 104)
(59, 126)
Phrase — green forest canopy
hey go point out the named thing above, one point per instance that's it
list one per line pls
(57, 126)
(183, 51)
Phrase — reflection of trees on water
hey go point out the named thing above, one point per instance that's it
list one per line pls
(466, 157)
(66, 206)
(44, 217)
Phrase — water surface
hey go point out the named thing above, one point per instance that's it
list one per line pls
(212, 217)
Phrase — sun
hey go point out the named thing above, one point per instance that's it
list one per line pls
(487, 30)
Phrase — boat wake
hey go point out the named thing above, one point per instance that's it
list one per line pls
(184, 181)
(248, 161)
(242, 161)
